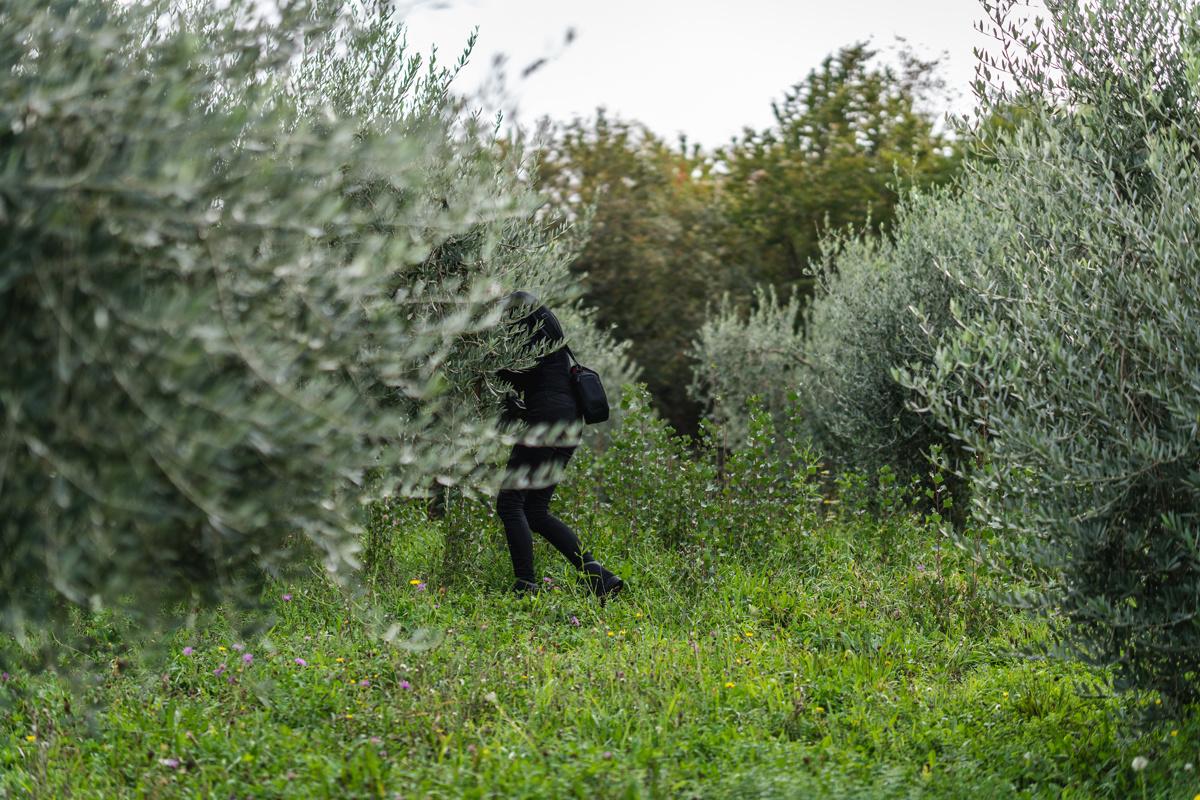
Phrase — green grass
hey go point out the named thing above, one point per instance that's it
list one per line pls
(840, 661)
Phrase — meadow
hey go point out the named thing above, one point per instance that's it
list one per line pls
(855, 656)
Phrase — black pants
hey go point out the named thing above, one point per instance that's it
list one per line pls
(524, 511)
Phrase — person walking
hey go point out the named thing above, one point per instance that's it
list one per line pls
(549, 404)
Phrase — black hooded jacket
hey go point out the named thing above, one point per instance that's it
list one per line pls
(546, 385)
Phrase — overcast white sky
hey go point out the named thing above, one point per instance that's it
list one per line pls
(702, 67)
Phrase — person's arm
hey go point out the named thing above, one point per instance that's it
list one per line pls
(534, 325)
(517, 378)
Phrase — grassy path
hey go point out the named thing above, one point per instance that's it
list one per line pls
(843, 663)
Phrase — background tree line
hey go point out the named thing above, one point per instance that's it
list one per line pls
(675, 227)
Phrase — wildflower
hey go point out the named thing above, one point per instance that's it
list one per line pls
(219, 670)
(819, 709)
(238, 646)
(349, 716)
(1140, 763)
(729, 684)
(300, 662)
(920, 567)
(749, 634)
(340, 660)
(221, 648)
(375, 740)
(31, 738)
(548, 579)
(5, 677)
(421, 587)
(169, 763)
(364, 683)
(187, 651)
(1174, 733)
(610, 633)
(574, 621)
(248, 659)
(607, 755)
(638, 615)
(1006, 694)
(415, 582)
(287, 597)
(405, 685)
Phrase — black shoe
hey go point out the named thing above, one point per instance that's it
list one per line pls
(524, 588)
(603, 583)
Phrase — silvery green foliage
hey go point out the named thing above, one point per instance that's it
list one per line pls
(227, 299)
(882, 305)
(1073, 372)
(741, 354)
(477, 183)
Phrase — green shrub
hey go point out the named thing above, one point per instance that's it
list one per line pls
(647, 476)
(1071, 373)
(740, 354)
(881, 306)
(248, 282)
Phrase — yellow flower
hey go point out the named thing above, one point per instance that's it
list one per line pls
(1174, 733)
(748, 634)
(819, 709)
(729, 684)
(1006, 694)
(340, 660)
(1158, 702)
(349, 716)
(31, 738)
(638, 615)
(610, 633)
(414, 582)
(221, 647)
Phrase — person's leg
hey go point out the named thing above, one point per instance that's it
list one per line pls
(537, 510)
(550, 527)
(510, 508)
(559, 534)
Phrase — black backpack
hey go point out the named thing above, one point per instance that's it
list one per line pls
(589, 392)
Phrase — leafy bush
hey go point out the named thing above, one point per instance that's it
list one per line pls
(246, 263)
(1071, 373)
(739, 355)
(691, 495)
(646, 476)
(882, 306)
